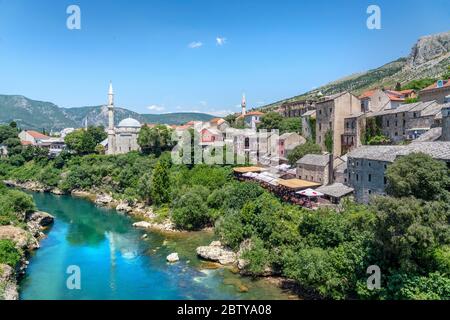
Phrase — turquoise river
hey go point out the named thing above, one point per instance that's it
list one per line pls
(116, 263)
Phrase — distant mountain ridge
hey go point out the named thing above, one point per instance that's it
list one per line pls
(429, 58)
(38, 115)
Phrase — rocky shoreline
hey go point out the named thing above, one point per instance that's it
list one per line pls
(27, 240)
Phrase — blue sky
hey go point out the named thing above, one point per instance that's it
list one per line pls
(151, 49)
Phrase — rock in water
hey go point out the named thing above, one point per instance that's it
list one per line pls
(142, 224)
(218, 253)
(173, 257)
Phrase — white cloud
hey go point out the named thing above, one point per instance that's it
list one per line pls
(195, 44)
(221, 113)
(220, 41)
(155, 107)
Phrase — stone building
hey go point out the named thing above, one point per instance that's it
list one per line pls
(380, 99)
(295, 109)
(314, 168)
(330, 115)
(287, 142)
(409, 121)
(367, 165)
(445, 135)
(354, 126)
(123, 138)
(438, 91)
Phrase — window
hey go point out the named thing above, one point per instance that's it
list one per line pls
(357, 177)
(369, 191)
(320, 127)
(385, 180)
(387, 123)
(369, 177)
(396, 123)
(396, 133)
(330, 124)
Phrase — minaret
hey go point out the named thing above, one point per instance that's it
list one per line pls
(111, 133)
(243, 105)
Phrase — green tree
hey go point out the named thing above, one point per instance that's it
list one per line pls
(7, 132)
(417, 175)
(155, 140)
(190, 211)
(271, 121)
(291, 125)
(160, 183)
(85, 141)
(302, 150)
(144, 188)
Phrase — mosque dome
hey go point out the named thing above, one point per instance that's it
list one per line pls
(129, 123)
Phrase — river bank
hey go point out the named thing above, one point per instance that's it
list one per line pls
(206, 255)
(26, 239)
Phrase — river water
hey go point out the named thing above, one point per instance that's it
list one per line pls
(115, 263)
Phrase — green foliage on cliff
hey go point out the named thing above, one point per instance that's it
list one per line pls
(302, 150)
(9, 254)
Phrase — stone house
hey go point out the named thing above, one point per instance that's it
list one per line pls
(354, 126)
(32, 137)
(287, 142)
(295, 109)
(314, 168)
(367, 165)
(438, 91)
(380, 99)
(330, 115)
(422, 117)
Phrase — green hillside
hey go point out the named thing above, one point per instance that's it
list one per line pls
(38, 115)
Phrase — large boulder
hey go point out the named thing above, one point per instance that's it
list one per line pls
(173, 257)
(41, 218)
(123, 206)
(217, 253)
(104, 199)
(142, 225)
(22, 239)
(8, 286)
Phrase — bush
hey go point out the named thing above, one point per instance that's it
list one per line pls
(257, 257)
(190, 212)
(9, 254)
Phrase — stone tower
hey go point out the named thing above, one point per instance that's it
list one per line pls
(445, 124)
(243, 105)
(111, 131)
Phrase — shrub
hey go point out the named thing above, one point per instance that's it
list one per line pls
(190, 212)
(9, 254)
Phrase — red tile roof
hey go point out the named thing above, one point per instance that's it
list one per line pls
(25, 143)
(367, 94)
(37, 135)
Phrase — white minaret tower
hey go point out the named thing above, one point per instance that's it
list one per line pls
(244, 105)
(111, 133)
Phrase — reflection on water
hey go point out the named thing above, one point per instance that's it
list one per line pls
(116, 264)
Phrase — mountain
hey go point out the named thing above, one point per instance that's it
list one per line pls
(32, 114)
(429, 58)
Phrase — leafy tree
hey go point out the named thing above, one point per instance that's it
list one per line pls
(190, 211)
(155, 140)
(257, 257)
(85, 141)
(160, 183)
(144, 188)
(271, 121)
(411, 100)
(302, 150)
(13, 124)
(435, 286)
(407, 233)
(7, 132)
(417, 175)
(291, 125)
